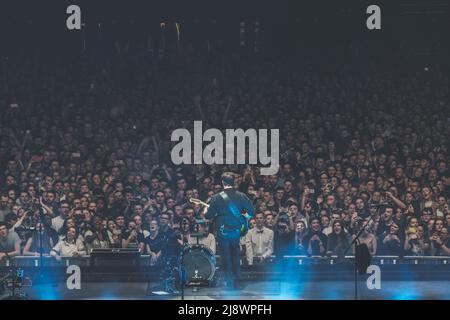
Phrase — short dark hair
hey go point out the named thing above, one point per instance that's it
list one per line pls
(64, 202)
(164, 214)
(228, 178)
(10, 217)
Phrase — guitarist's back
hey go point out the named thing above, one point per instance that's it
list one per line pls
(226, 208)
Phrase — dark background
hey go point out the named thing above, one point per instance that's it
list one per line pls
(37, 26)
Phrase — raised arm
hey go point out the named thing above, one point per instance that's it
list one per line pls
(397, 201)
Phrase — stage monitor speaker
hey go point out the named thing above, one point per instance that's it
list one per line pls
(115, 257)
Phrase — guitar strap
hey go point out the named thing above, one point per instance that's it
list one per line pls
(233, 208)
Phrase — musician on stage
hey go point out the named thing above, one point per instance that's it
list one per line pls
(231, 210)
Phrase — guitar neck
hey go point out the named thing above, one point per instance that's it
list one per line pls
(200, 202)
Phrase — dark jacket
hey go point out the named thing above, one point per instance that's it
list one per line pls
(222, 213)
(315, 245)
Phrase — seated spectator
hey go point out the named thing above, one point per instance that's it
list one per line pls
(69, 223)
(96, 237)
(385, 221)
(259, 242)
(315, 242)
(69, 246)
(295, 213)
(120, 223)
(142, 233)
(335, 216)
(440, 243)
(425, 217)
(338, 240)
(154, 243)
(300, 232)
(392, 243)
(269, 220)
(170, 245)
(114, 235)
(325, 222)
(58, 221)
(415, 242)
(9, 243)
(283, 237)
(131, 237)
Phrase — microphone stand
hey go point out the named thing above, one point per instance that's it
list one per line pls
(182, 275)
(356, 242)
(40, 230)
(182, 269)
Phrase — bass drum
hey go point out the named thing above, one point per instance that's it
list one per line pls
(199, 264)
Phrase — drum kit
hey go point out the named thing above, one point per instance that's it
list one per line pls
(194, 267)
(198, 263)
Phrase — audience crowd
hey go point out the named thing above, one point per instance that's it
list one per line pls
(363, 145)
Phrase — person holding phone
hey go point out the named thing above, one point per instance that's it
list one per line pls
(439, 240)
(315, 242)
(415, 242)
(392, 243)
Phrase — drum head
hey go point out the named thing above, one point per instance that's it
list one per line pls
(199, 263)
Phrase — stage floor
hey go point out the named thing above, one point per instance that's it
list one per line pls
(251, 290)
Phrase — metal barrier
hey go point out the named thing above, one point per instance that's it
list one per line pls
(294, 268)
(379, 260)
(27, 261)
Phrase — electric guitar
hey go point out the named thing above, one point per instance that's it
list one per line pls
(199, 202)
